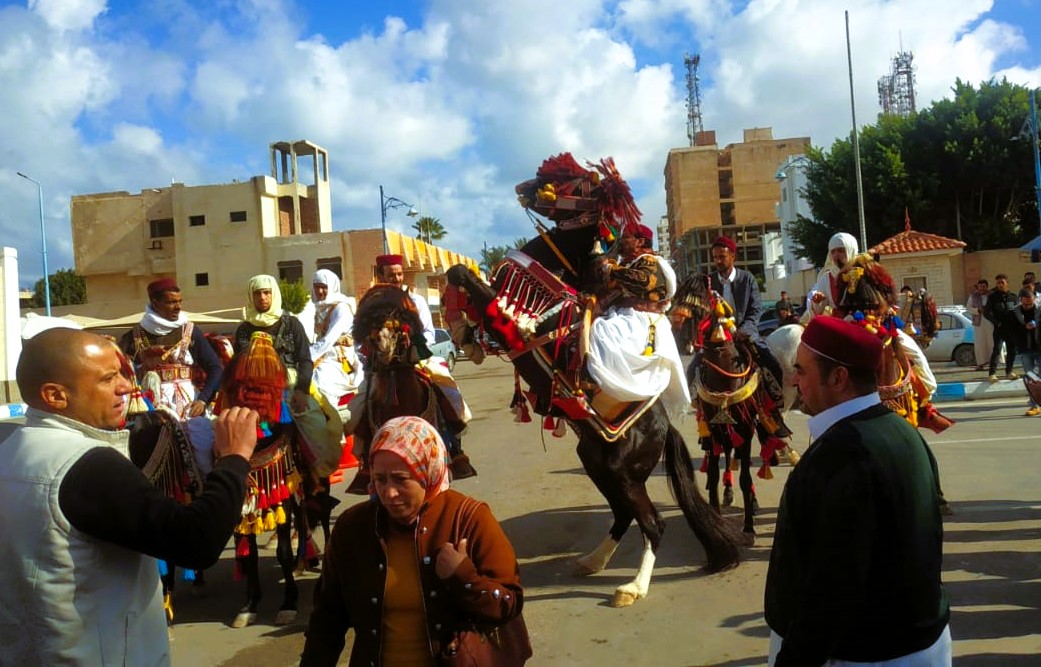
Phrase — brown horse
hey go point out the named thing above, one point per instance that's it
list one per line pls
(532, 308)
(397, 379)
(727, 389)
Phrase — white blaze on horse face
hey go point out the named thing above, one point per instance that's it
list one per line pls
(387, 344)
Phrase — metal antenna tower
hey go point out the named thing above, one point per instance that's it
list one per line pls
(693, 96)
(896, 90)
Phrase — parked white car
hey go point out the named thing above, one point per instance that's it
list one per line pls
(954, 341)
(444, 347)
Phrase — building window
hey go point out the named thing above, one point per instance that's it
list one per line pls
(291, 271)
(238, 216)
(334, 264)
(916, 283)
(196, 220)
(160, 229)
(202, 279)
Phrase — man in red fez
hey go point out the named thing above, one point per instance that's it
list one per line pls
(165, 348)
(389, 269)
(855, 566)
(740, 289)
(633, 354)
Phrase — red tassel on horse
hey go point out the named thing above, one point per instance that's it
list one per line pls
(242, 548)
(704, 464)
(735, 438)
(728, 478)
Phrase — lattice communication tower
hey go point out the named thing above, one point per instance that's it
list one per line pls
(896, 93)
(693, 96)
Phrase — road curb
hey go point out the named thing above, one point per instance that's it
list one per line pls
(949, 392)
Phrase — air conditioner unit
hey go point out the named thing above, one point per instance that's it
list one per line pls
(157, 244)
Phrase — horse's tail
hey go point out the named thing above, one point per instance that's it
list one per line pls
(721, 544)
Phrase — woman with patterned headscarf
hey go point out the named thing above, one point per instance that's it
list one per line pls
(263, 312)
(414, 565)
(337, 370)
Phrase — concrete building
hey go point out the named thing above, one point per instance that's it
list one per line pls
(711, 191)
(212, 238)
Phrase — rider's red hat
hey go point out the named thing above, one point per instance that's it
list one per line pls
(157, 287)
(843, 342)
(725, 242)
(644, 232)
(389, 260)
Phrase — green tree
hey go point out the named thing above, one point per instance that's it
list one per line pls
(429, 229)
(958, 168)
(490, 256)
(520, 242)
(67, 289)
(294, 295)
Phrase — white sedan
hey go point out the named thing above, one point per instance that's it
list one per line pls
(954, 340)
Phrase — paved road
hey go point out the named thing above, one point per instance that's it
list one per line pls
(552, 513)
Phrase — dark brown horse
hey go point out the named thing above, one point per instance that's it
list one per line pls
(532, 308)
(390, 334)
(726, 387)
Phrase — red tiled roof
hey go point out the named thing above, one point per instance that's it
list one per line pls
(909, 241)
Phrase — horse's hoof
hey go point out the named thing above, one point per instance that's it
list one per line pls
(584, 569)
(748, 538)
(360, 485)
(285, 616)
(461, 468)
(243, 619)
(728, 497)
(625, 597)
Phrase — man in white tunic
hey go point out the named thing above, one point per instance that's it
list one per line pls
(632, 353)
(337, 371)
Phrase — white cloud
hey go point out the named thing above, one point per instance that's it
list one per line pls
(68, 14)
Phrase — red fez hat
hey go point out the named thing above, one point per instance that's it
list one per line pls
(157, 287)
(843, 342)
(389, 260)
(644, 232)
(725, 242)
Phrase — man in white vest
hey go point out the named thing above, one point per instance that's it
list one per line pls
(82, 526)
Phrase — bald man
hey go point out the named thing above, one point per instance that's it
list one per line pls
(82, 526)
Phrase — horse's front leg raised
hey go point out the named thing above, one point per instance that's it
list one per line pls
(249, 564)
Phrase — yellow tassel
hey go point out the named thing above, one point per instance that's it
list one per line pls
(703, 430)
(293, 482)
(258, 526)
(280, 515)
(768, 422)
(244, 526)
(269, 520)
(768, 473)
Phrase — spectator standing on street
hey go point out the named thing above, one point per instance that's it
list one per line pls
(855, 567)
(1030, 280)
(82, 526)
(1028, 342)
(982, 329)
(1000, 304)
(783, 307)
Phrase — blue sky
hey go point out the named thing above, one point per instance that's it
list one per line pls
(447, 103)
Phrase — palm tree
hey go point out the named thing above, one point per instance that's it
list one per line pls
(429, 229)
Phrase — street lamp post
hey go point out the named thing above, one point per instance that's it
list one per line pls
(43, 239)
(391, 202)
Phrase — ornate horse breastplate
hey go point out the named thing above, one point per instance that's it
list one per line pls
(273, 478)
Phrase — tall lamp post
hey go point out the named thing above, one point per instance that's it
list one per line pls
(391, 202)
(43, 239)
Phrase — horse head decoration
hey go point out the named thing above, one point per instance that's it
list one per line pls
(537, 307)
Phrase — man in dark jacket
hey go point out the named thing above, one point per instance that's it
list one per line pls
(1028, 341)
(856, 561)
(998, 311)
(740, 289)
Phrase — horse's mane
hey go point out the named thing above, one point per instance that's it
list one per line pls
(865, 285)
(381, 302)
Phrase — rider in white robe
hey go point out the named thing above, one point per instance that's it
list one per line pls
(632, 352)
(337, 369)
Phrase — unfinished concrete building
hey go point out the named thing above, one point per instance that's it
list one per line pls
(733, 191)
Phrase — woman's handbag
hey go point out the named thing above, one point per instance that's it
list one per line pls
(507, 645)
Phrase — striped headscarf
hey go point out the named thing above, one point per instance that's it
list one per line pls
(416, 442)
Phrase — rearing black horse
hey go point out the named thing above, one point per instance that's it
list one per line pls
(582, 201)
